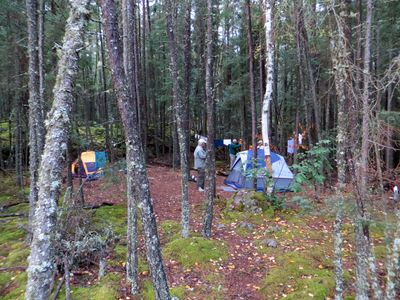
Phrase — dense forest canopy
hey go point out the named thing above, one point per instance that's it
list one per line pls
(231, 70)
(141, 80)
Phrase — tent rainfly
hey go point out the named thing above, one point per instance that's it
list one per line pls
(241, 175)
(90, 165)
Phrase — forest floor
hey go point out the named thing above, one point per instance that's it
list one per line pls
(277, 253)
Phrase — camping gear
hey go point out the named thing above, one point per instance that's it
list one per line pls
(241, 175)
(90, 165)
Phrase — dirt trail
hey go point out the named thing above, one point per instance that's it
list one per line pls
(243, 270)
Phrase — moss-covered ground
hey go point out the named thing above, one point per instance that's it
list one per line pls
(300, 267)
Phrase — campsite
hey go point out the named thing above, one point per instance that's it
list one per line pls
(199, 149)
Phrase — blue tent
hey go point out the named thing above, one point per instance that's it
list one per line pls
(241, 175)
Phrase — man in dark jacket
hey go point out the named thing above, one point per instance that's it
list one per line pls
(233, 148)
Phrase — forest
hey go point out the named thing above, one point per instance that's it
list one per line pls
(200, 149)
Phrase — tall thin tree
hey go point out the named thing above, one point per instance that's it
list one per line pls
(137, 174)
(250, 47)
(210, 159)
(179, 110)
(130, 70)
(36, 126)
(269, 69)
(41, 259)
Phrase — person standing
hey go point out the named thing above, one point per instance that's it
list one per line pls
(200, 163)
(233, 148)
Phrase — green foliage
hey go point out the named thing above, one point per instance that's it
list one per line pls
(309, 170)
(278, 203)
(390, 117)
(195, 250)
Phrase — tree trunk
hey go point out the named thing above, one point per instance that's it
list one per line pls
(107, 125)
(188, 77)
(269, 84)
(393, 263)
(252, 87)
(179, 109)
(210, 159)
(132, 266)
(41, 259)
(363, 238)
(339, 63)
(41, 131)
(67, 278)
(136, 167)
(144, 90)
(130, 71)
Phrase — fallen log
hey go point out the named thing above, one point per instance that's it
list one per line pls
(98, 205)
(13, 215)
(15, 268)
(5, 206)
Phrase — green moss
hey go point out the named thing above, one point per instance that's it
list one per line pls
(262, 200)
(170, 229)
(10, 232)
(148, 291)
(380, 252)
(195, 250)
(179, 292)
(121, 252)
(12, 285)
(115, 215)
(238, 216)
(17, 256)
(377, 230)
(305, 275)
(106, 289)
(5, 199)
(20, 208)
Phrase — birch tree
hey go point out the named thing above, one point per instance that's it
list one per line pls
(137, 174)
(41, 259)
(269, 84)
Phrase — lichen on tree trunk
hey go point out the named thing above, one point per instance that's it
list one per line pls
(41, 259)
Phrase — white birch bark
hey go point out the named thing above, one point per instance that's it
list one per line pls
(41, 259)
(269, 66)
